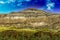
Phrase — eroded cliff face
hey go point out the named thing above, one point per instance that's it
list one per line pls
(30, 18)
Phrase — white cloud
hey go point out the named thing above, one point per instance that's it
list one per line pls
(11, 0)
(50, 6)
(2, 2)
(27, 0)
(19, 4)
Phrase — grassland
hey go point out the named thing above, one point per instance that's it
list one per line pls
(8, 33)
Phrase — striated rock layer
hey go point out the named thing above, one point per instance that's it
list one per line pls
(30, 18)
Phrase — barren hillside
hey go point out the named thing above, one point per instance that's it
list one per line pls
(30, 18)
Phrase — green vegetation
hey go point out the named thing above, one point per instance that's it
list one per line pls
(8, 33)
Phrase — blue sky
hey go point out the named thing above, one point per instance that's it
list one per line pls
(7, 6)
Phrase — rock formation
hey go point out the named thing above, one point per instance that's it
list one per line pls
(30, 18)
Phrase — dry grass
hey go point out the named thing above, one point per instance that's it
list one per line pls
(8, 33)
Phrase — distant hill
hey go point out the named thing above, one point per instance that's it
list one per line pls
(28, 12)
(31, 18)
(32, 12)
